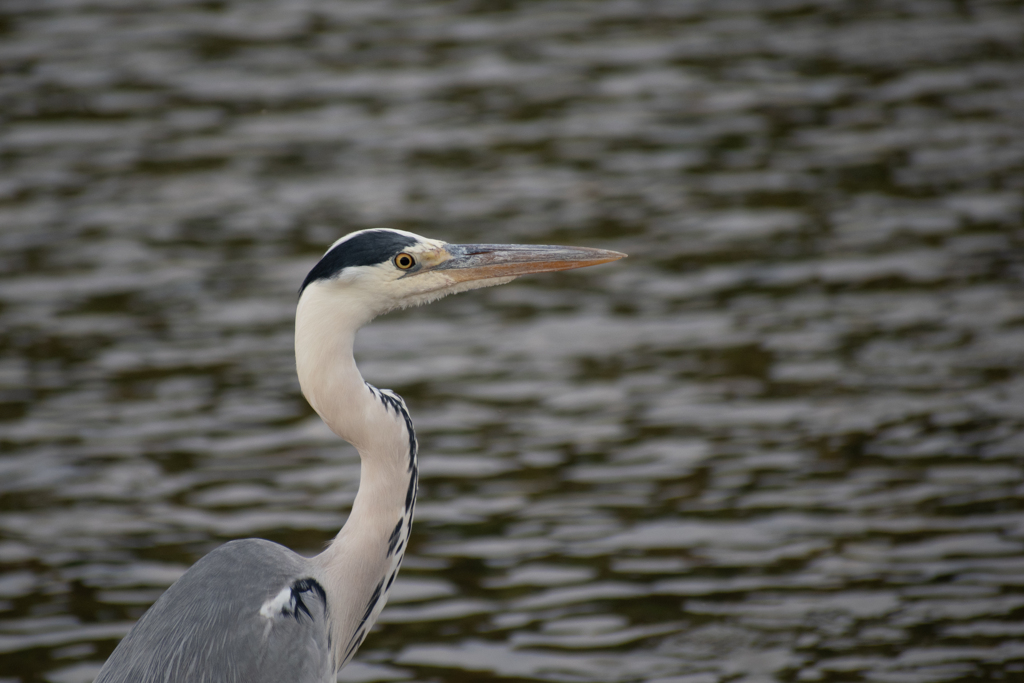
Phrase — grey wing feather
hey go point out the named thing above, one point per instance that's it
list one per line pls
(208, 625)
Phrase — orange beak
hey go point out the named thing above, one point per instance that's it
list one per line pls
(486, 261)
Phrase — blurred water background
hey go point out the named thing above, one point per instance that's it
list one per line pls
(783, 441)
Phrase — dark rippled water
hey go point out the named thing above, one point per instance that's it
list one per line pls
(783, 441)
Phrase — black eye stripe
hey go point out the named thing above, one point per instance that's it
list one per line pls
(365, 249)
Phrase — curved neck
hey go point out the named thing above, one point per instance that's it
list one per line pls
(360, 564)
(325, 332)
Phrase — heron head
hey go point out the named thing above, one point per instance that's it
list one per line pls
(382, 269)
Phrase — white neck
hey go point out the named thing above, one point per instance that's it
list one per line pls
(359, 565)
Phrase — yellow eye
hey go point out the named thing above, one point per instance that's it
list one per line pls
(405, 261)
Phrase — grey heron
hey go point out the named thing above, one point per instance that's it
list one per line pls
(253, 611)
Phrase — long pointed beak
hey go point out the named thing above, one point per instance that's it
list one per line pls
(485, 261)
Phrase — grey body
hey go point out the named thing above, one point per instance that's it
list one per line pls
(208, 626)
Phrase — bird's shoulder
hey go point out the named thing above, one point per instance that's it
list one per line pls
(248, 611)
